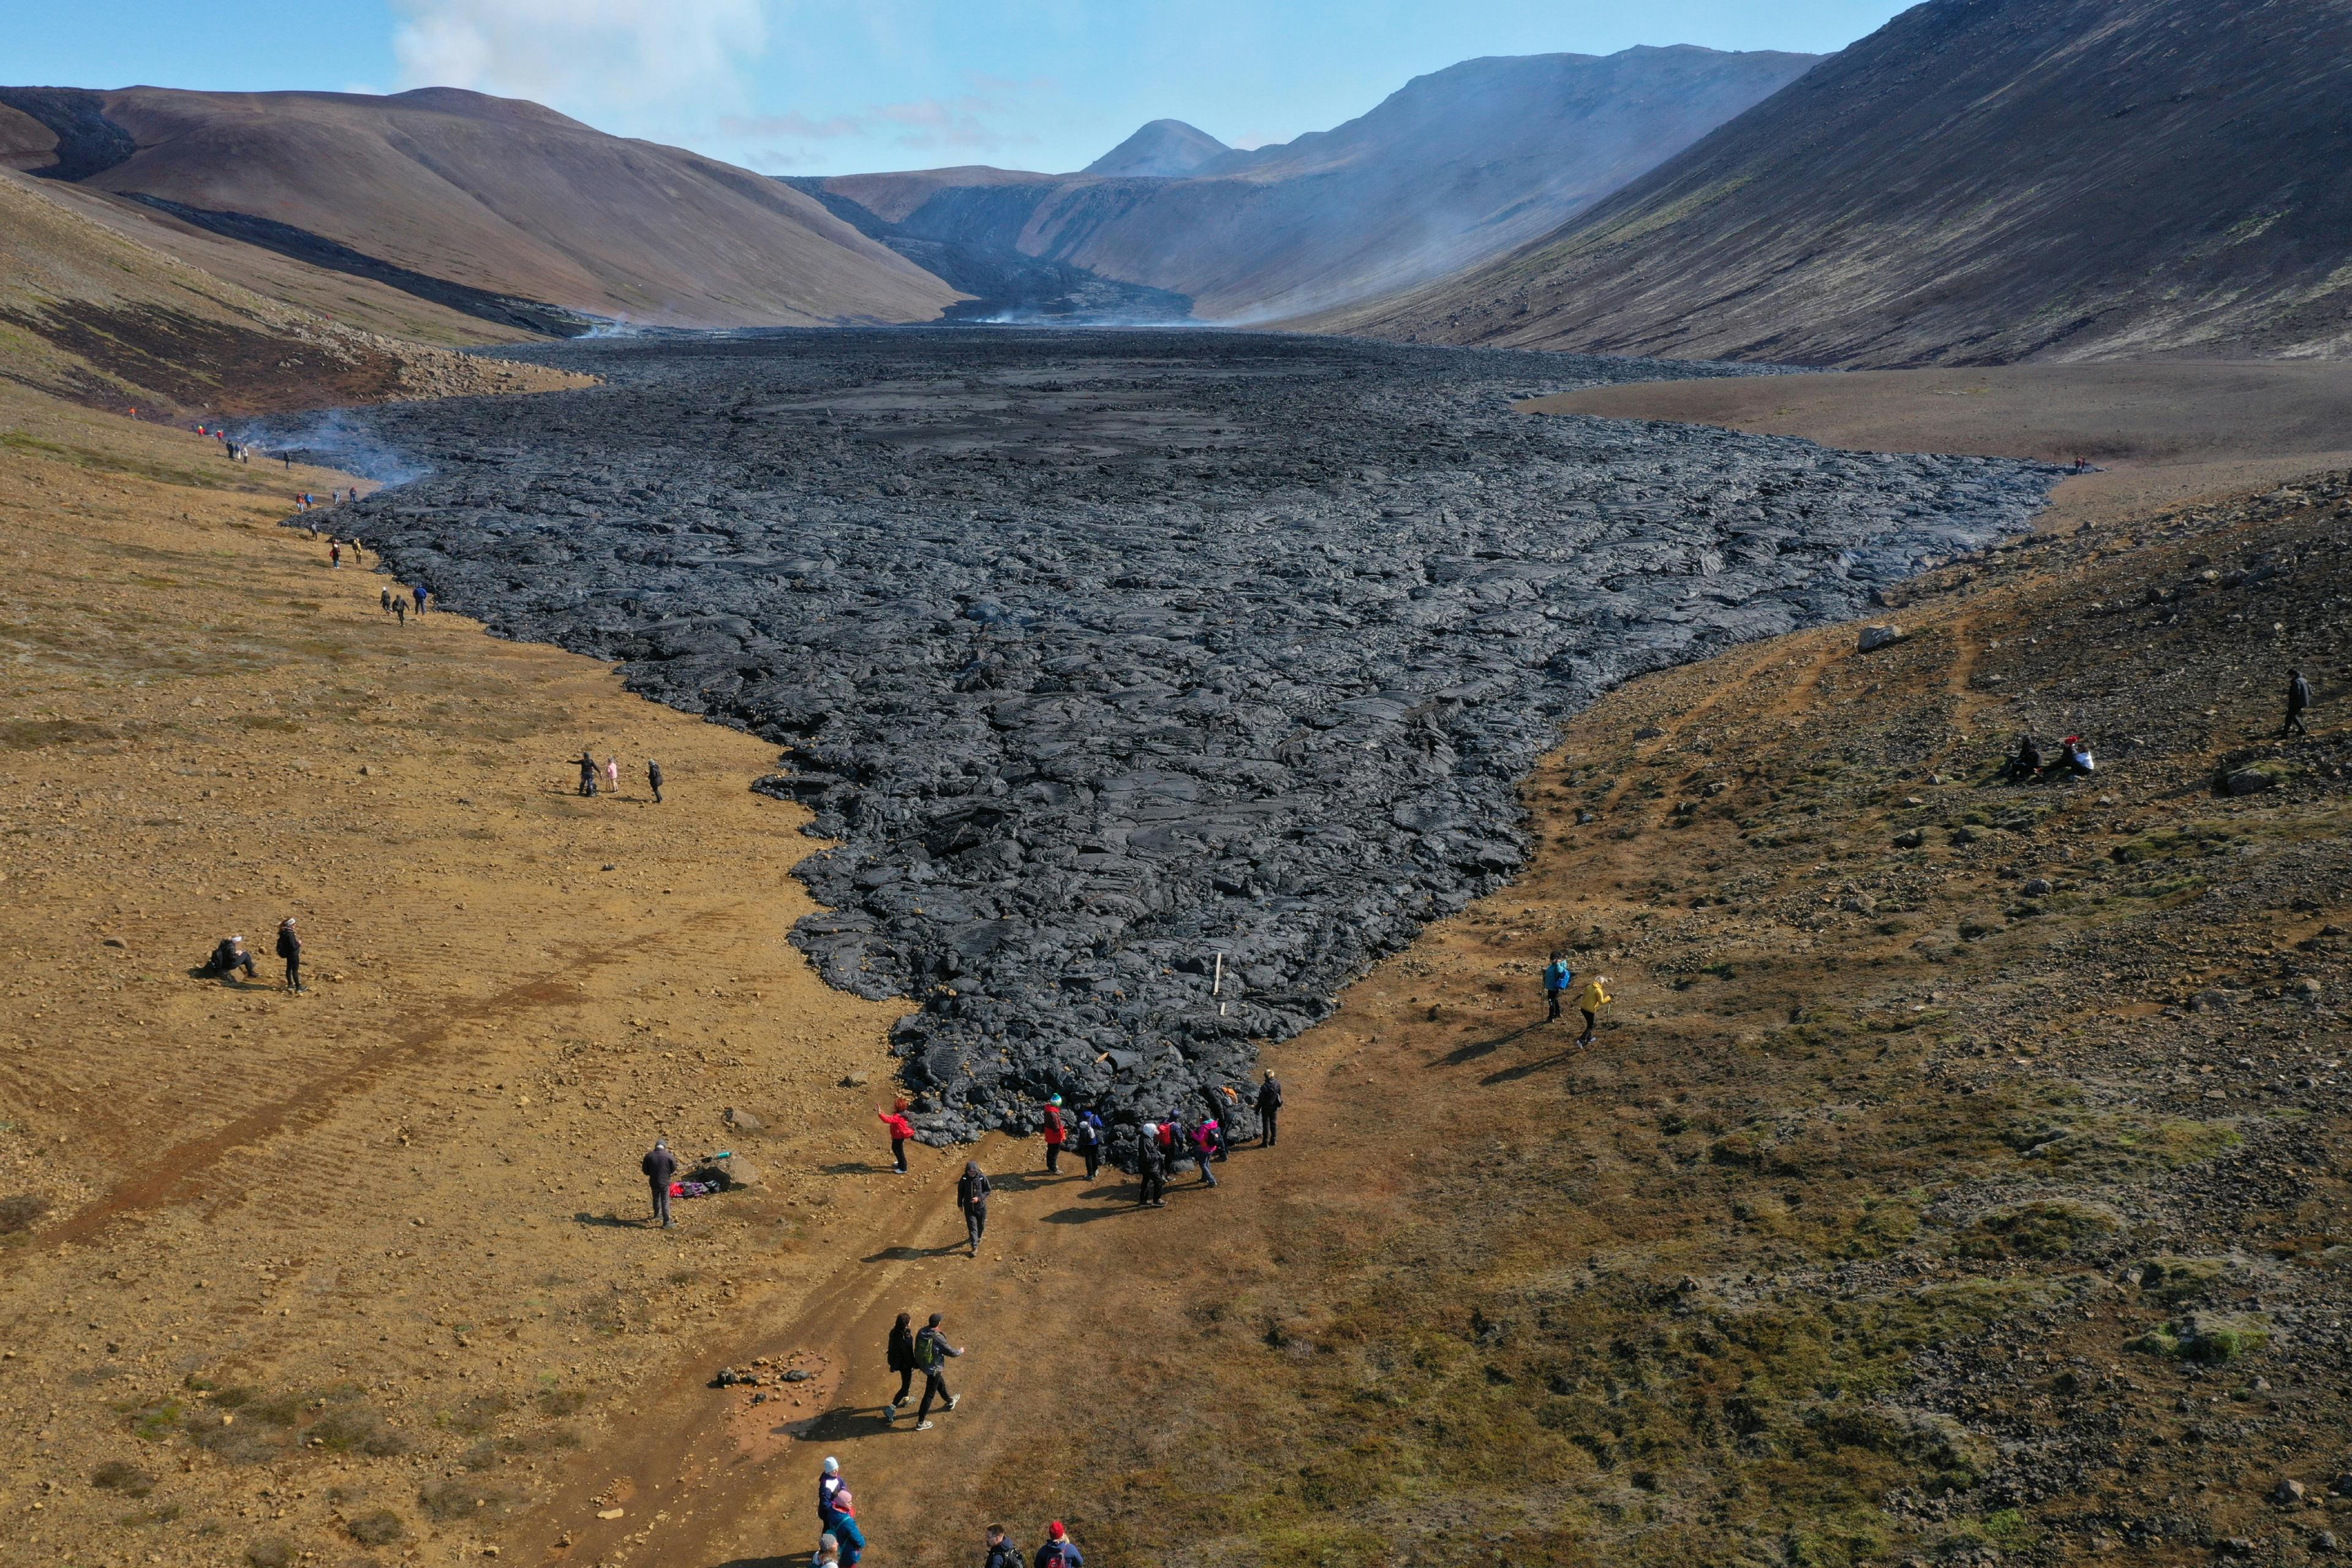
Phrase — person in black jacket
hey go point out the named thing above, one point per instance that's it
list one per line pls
(1087, 1132)
(1002, 1553)
(1151, 1166)
(228, 958)
(899, 1357)
(660, 1167)
(931, 1351)
(2298, 698)
(654, 777)
(971, 1196)
(289, 948)
(1269, 1105)
(1213, 1096)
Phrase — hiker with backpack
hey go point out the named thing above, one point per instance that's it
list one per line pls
(932, 1354)
(1059, 1551)
(1087, 1133)
(846, 1533)
(971, 1196)
(1590, 1000)
(1204, 1144)
(1557, 978)
(1002, 1553)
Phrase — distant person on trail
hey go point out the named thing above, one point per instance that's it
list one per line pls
(289, 948)
(971, 1196)
(1269, 1106)
(660, 1167)
(587, 761)
(1151, 1167)
(335, 556)
(399, 611)
(2298, 698)
(654, 777)
(423, 595)
(828, 1483)
(1087, 1133)
(1589, 999)
(612, 774)
(228, 958)
(1002, 1553)
(932, 1353)
(899, 1357)
(901, 1130)
(1557, 978)
(1057, 1135)
(1059, 1551)
(387, 601)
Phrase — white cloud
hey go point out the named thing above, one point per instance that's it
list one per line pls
(591, 56)
(964, 125)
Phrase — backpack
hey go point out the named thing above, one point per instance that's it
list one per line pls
(926, 1351)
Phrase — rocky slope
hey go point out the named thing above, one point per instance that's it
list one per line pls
(1457, 166)
(88, 314)
(1100, 668)
(492, 208)
(1979, 181)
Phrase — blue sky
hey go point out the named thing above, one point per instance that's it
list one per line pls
(838, 86)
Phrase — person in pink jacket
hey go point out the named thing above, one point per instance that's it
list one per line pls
(901, 1130)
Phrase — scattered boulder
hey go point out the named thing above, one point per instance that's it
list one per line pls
(1872, 639)
(2288, 1493)
(742, 1120)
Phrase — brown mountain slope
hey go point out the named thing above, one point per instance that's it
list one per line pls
(88, 314)
(1980, 181)
(1459, 164)
(499, 199)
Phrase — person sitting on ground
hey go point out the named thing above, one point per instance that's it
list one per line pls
(2025, 766)
(228, 958)
(2075, 756)
(1059, 1551)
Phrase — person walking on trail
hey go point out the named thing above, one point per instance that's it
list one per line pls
(335, 556)
(1204, 1144)
(2298, 698)
(660, 1167)
(1002, 1553)
(1087, 1132)
(399, 611)
(971, 1196)
(828, 1485)
(653, 778)
(1592, 996)
(932, 1354)
(901, 1130)
(1057, 1135)
(1269, 1109)
(387, 601)
(847, 1534)
(289, 948)
(898, 1356)
(1557, 978)
(612, 774)
(1214, 1121)
(1059, 1551)
(1151, 1169)
(587, 773)
(228, 958)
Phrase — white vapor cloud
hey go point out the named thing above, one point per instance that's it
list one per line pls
(586, 55)
(963, 124)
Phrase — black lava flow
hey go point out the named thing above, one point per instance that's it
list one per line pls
(1153, 683)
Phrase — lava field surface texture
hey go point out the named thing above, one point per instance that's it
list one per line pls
(1151, 682)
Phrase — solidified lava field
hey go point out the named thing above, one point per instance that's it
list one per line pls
(1104, 654)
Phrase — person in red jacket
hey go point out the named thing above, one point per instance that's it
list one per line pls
(1057, 1135)
(895, 1119)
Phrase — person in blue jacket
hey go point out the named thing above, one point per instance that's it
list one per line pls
(1557, 979)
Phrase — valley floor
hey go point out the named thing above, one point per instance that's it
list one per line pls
(1959, 1175)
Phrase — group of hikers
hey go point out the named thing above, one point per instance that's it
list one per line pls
(1560, 986)
(606, 776)
(231, 955)
(2030, 764)
(841, 1539)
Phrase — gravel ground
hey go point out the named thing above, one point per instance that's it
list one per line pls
(1103, 654)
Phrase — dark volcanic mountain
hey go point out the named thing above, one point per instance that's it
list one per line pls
(493, 206)
(1979, 181)
(1458, 165)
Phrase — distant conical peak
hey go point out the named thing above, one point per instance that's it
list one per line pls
(1164, 149)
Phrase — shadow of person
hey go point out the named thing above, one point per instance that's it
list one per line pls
(1030, 1180)
(854, 1168)
(911, 1254)
(1477, 1049)
(1080, 1216)
(841, 1422)
(1528, 1069)
(611, 1221)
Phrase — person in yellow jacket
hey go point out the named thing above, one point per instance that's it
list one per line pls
(1591, 997)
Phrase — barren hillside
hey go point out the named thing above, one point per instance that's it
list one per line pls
(1978, 182)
